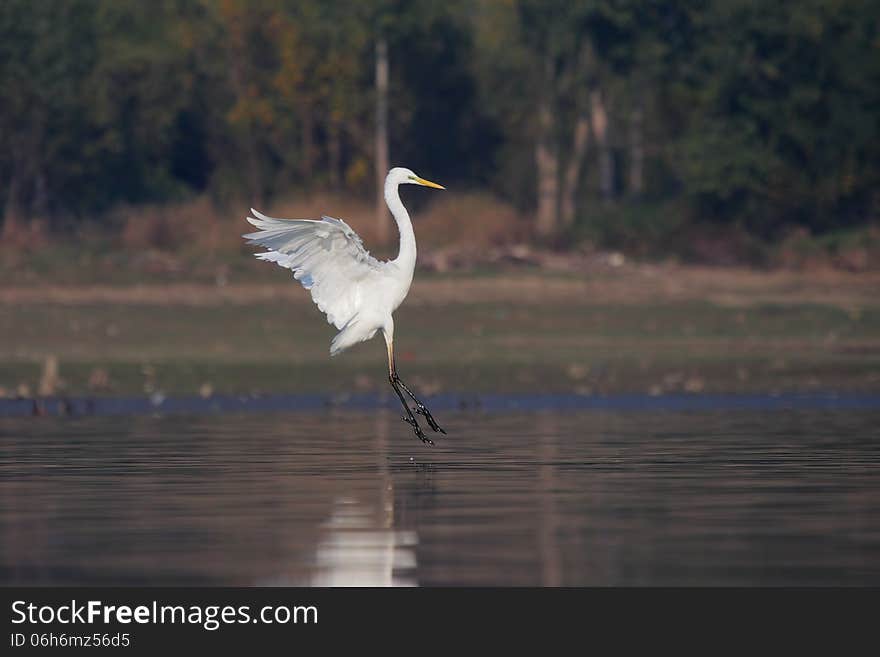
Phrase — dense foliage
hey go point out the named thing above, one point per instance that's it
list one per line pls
(747, 112)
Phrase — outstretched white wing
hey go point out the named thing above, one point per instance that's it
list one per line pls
(326, 256)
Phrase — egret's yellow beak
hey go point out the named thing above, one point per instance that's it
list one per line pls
(428, 183)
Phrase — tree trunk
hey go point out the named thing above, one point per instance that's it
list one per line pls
(255, 178)
(599, 115)
(383, 225)
(549, 519)
(12, 211)
(41, 195)
(334, 148)
(546, 160)
(308, 144)
(238, 78)
(573, 171)
(637, 150)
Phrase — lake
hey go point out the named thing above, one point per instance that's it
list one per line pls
(614, 495)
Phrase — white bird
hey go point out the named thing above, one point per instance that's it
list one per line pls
(358, 293)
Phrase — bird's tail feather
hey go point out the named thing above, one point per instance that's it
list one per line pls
(351, 334)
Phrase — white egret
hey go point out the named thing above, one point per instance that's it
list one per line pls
(357, 292)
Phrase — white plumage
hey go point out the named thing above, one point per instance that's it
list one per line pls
(327, 257)
(357, 292)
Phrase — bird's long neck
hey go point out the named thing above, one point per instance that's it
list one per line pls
(406, 258)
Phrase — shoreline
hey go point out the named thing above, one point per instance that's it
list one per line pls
(447, 402)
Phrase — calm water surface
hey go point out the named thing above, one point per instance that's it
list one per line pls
(545, 498)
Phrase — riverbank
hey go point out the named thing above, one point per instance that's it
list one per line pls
(631, 329)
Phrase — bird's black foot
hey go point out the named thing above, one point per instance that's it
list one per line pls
(417, 430)
(409, 418)
(421, 409)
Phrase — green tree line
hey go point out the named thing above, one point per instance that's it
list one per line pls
(763, 114)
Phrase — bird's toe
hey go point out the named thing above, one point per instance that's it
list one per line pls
(430, 418)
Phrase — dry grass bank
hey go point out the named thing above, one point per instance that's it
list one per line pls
(460, 220)
(622, 285)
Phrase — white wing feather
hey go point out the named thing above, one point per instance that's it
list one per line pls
(327, 257)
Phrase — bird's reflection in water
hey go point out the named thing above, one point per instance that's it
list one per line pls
(359, 544)
(355, 552)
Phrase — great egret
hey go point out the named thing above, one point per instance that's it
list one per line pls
(357, 292)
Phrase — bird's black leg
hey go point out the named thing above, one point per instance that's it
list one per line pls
(409, 418)
(421, 409)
